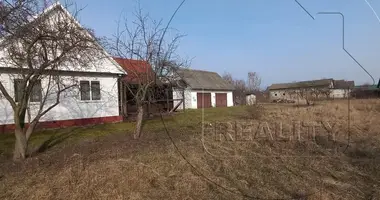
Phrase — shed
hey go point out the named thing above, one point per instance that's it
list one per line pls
(203, 89)
(250, 98)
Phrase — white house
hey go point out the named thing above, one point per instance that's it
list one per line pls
(323, 88)
(95, 99)
(203, 89)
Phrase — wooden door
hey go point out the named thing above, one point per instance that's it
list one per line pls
(221, 99)
(203, 100)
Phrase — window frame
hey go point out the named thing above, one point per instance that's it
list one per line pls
(39, 92)
(92, 91)
(81, 92)
(91, 84)
(17, 94)
(15, 88)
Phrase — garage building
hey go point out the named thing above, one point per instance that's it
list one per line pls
(203, 89)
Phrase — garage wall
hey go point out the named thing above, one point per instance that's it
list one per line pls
(213, 98)
(191, 98)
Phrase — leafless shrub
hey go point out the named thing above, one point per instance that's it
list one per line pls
(242, 87)
(255, 111)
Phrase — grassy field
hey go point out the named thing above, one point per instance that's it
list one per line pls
(219, 153)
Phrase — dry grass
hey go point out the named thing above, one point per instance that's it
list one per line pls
(255, 111)
(117, 167)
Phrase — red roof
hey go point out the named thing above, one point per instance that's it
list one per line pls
(138, 71)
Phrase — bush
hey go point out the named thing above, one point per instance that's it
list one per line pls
(255, 111)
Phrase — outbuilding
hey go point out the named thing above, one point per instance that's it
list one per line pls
(203, 89)
(250, 98)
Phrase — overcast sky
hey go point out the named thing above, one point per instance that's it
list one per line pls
(275, 38)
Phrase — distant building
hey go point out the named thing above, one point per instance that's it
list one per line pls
(250, 98)
(297, 90)
(313, 89)
(342, 89)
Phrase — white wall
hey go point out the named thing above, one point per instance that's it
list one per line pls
(194, 103)
(335, 93)
(70, 107)
(250, 99)
(191, 98)
(279, 94)
(102, 62)
(339, 93)
(177, 94)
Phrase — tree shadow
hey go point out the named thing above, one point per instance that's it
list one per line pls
(55, 139)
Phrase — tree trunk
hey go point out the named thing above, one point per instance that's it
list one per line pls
(22, 138)
(21, 145)
(139, 120)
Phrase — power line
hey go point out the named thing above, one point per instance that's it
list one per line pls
(343, 36)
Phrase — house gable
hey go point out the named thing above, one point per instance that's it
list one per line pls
(103, 64)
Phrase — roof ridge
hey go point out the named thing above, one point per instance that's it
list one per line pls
(305, 81)
(199, 70)
(198, 79)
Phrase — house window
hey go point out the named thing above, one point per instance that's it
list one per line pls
(275, 94)
(283, 94)
(90, 90)
(18, 89)
(35, 95)
(85, 90)
(95, 90)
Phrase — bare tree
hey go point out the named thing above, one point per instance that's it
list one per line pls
(304, 93)
(253, 82)
(326, 92)
(293, 94)
(240, 88)
(316, 93)
(36, 47)
(146, 40)
(228, 77)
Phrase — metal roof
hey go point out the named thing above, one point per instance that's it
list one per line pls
(302, 84)
(342, 84)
